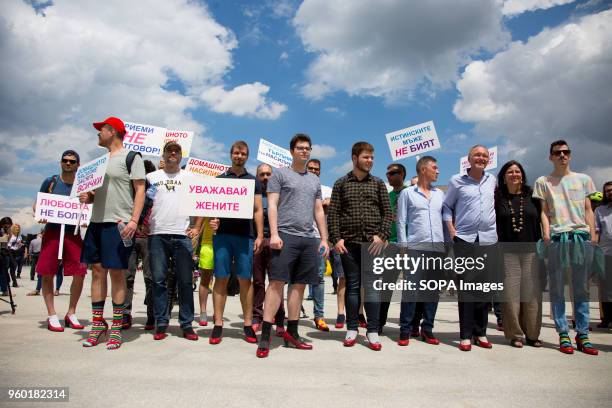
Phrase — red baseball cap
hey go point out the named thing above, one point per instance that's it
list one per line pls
(116, 123)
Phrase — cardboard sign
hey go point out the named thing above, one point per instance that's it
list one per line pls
(146, 139)
(61, 209)
(464, 164)
(182, 137)
(273, 155)
(90, 175)
(201, 167)
(217, 197)
(413, 140)
(326, 192)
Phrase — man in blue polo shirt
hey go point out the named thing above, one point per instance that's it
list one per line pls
(235, 241)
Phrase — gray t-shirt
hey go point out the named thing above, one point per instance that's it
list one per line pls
(298, 194)
(603, 226)
(114, 201)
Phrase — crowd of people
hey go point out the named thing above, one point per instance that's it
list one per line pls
(295, 231)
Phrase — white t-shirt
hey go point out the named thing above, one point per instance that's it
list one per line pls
(164, 190)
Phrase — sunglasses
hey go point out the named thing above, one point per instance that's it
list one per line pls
(393, 173)
(303, 148)
(314, 169)
(566, 152)
(69, 161)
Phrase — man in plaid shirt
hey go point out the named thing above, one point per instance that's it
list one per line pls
(359, 212)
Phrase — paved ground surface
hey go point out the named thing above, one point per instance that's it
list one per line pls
(176, 372)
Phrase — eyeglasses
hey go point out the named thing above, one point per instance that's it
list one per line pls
(69, 161)
(303, 148)
(566, 152)
(393, 173)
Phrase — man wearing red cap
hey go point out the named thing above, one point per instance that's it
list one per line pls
(117, 204)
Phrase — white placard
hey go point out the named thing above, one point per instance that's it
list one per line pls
(145, 139)
(464, 164)
(61, 209)
(90, 175)
(273, 155)
(217, 197)
(413, 140)
(182, 137)
(201, 167)
(326, 192)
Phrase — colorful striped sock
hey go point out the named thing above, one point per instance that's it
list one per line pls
(114, 341)
(98, 325)
(584, 340)
(564, 340)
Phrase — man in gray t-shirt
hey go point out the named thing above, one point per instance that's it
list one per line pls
(294, 202)
(104, 246)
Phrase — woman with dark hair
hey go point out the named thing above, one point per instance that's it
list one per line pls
(603, 227)
(518, 229)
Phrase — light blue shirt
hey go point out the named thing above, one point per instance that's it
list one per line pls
(419, 219)
(473, 203)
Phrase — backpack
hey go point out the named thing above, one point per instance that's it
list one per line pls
(52, 184)
(129, 160)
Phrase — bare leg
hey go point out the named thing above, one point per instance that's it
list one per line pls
(246, 300)
(76, 288)
(219, 298)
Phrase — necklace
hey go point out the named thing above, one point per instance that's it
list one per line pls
(516, 228)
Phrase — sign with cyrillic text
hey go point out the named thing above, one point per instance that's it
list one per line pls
(201, 167)
(217, 197)
(90, 176)
(145, 139)
(61, 209)
(182, 137)
(413, 140)
(464, 164)
(273, 155)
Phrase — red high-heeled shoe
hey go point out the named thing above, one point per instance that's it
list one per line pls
(429, 338)
(58, 329)
(483, 344)
(93, 341)
(69, 323)
(297, 343)
(465, 347)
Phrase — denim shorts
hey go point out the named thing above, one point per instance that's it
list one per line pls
(236, 248)
(103, 245)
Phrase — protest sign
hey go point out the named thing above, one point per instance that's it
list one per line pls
(204, 167)
(145, 139)
(273, 155)
(413, 140)
(217, 197)
(464, 164)
(326, 192)
(90, 175)
(182, 137)
(61, 209)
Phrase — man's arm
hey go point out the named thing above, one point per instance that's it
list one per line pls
(258, 218)
(590, 219)
(402, 216)
(448, 208)
(139, 199)
(275, 240)
(385, 211)
(319, 215)
(545, 222)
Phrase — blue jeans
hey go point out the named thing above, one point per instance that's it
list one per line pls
(579, 275)
(407, 313)
(178, 247)
(318, 291)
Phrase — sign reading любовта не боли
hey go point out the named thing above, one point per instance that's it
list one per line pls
(413, 141)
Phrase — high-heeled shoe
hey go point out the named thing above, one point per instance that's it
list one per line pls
(483, 344)
(429, 338)
(465, 347)
(297, 343)
(71, 323)
(95, 334)
(584, 344)
(263, 350)
(53, 328)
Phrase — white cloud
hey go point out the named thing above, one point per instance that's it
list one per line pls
(515, 7)
(284, 56)
(343, 168)
(393, 47)
(556, 85)
(244, 100)
(322, 152)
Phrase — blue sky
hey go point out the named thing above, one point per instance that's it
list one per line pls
(516, 74)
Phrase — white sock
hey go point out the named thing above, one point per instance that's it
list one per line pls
(54, 321)
(74, 319)
(203, 317)
(373, 337)
(351, 334)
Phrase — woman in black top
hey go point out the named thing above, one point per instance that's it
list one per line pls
(518, 229)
